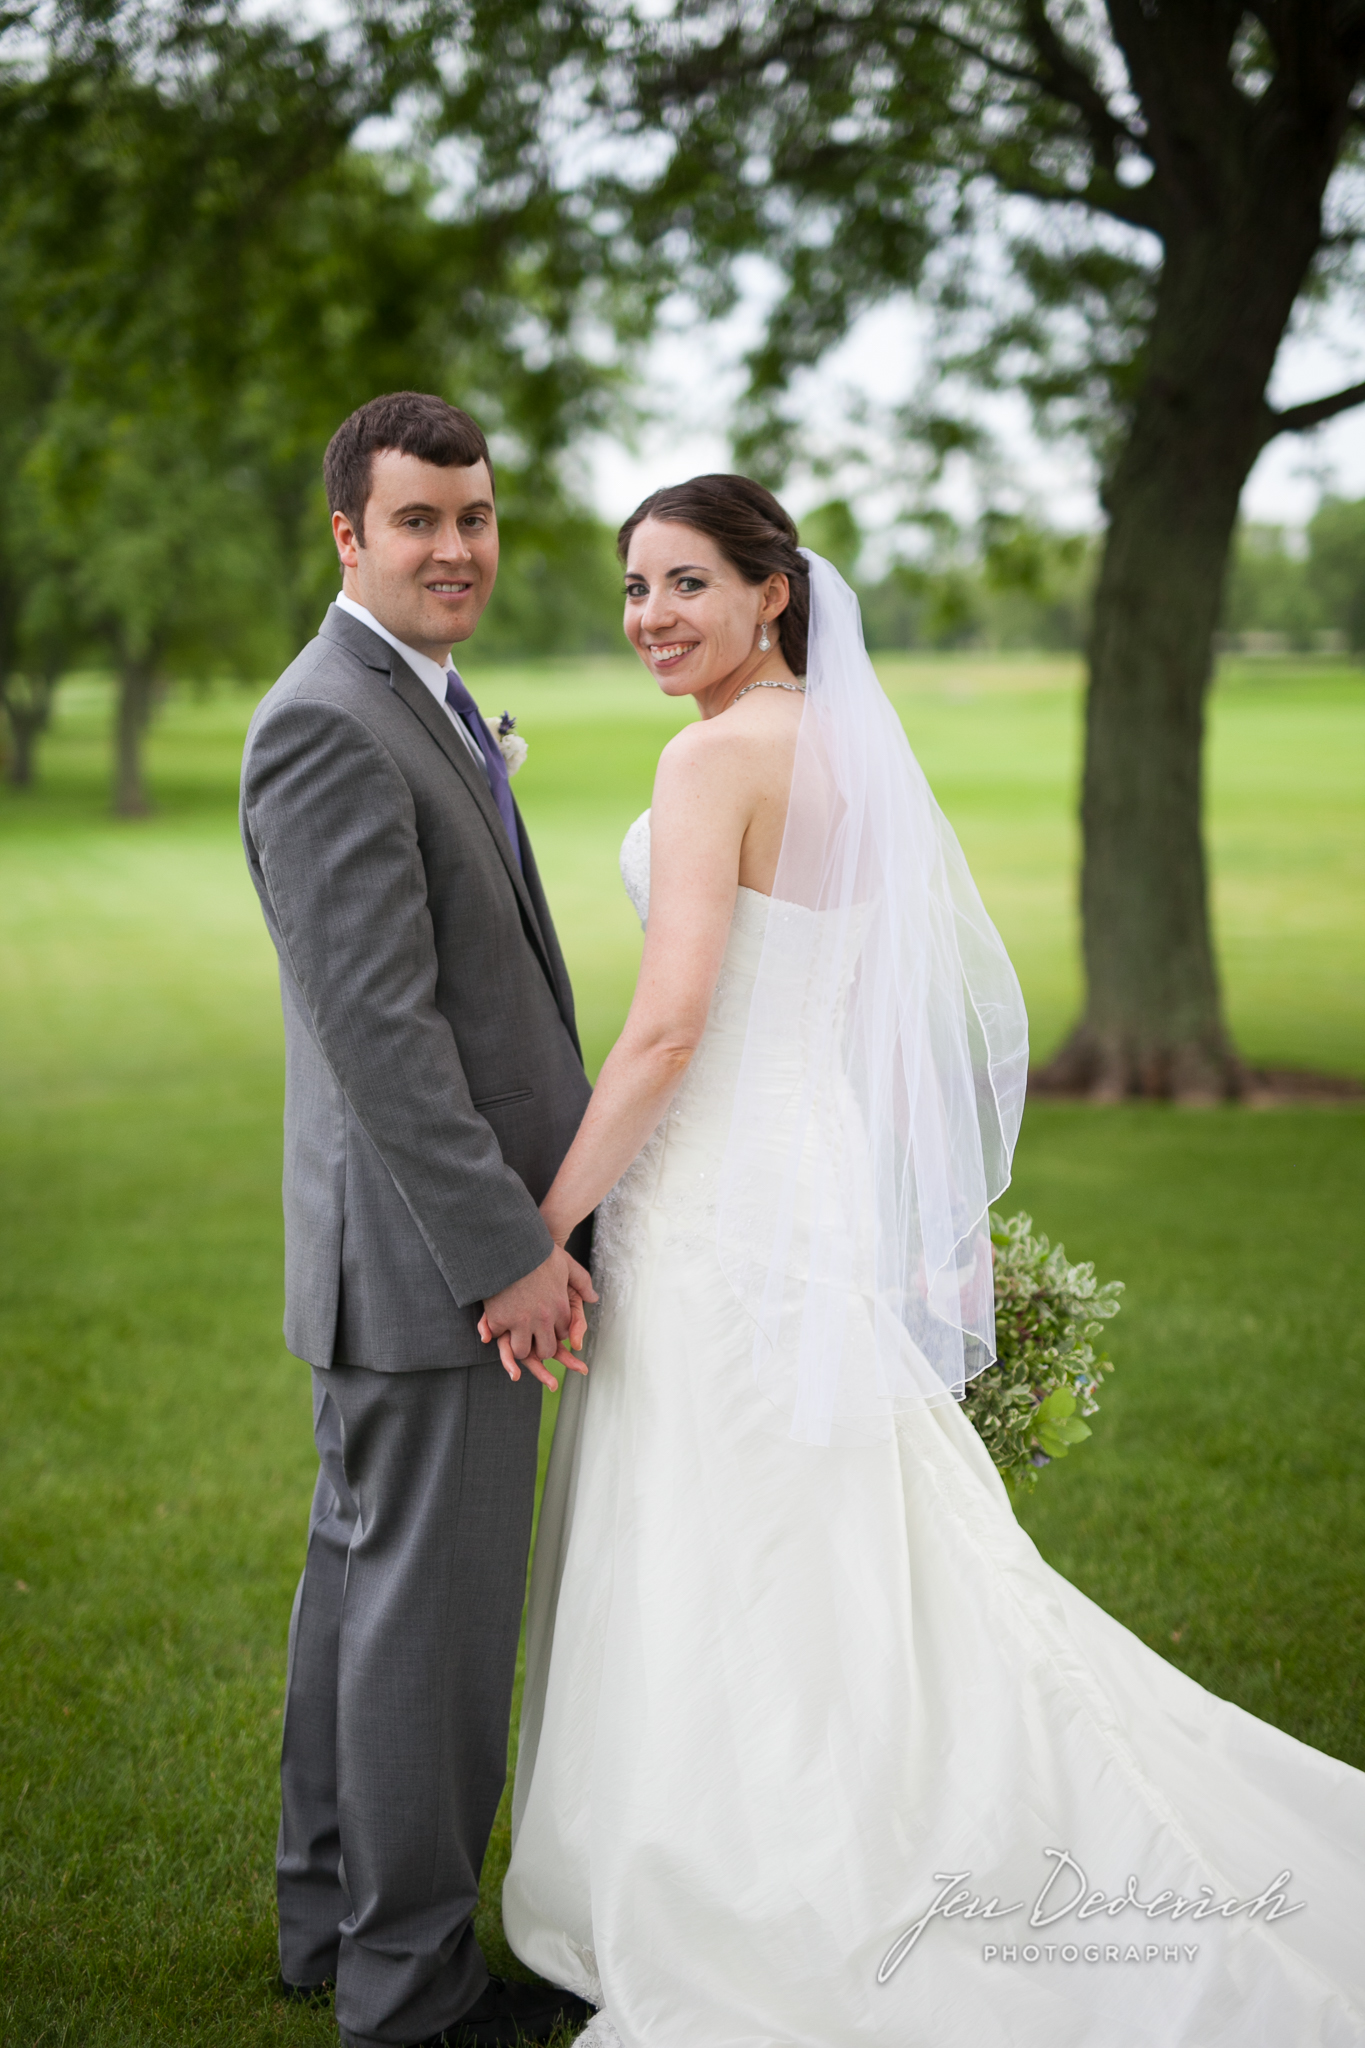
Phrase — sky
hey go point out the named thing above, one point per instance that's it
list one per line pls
(692, 376)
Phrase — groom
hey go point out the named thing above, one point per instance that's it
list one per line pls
(432, 1085)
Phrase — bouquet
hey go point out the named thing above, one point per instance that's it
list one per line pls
(1029, 1407)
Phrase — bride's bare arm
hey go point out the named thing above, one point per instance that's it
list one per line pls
(705, 794)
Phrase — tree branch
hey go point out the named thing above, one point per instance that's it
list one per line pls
(1299, 419)
(1065, 74)
(1060, 75)
(1103, 194)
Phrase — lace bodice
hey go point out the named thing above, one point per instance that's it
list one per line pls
(635, 866)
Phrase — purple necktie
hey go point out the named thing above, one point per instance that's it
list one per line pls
(460, 702)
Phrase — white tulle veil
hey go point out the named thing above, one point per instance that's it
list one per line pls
(882, 1076)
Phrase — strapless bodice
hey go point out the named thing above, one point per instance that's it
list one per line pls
(635, 849)
(676, 1173)
(676, 1170)
(716, 1061)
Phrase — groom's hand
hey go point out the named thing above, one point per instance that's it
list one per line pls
(537, 1315)
(564, 1356)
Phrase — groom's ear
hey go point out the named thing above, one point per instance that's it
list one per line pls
(348, 541)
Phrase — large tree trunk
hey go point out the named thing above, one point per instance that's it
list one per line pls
(136, 689)
(1153, 1022)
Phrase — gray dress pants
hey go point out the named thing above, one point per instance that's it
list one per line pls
(402, 1653)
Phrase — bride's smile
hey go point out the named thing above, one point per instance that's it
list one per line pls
(669, 656)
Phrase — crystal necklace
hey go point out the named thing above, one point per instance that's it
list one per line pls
(799, 688)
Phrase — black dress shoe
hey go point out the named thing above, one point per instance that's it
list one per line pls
(305, 1994)
(509, 2013)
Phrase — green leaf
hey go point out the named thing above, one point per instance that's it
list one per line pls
(1058, 1405)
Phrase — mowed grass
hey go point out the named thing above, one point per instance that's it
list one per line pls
(155, 1452)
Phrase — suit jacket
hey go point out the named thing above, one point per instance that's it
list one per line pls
(433, 1079)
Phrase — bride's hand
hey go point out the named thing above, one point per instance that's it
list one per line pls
(578, 1330)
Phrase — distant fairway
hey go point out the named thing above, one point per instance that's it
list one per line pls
(154, 1435)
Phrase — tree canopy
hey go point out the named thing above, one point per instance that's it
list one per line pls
(1115, 208)
(203, 270)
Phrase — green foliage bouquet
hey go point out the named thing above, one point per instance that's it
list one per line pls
(1028, 1407)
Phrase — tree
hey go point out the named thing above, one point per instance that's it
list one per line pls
(36, 653)
(832, 530)
(1268, 589)
(145, 157)
(28, 642)
(1336, 566)
(1155, 174)
(158, 566)
(216, 274)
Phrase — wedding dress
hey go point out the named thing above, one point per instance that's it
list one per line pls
(750, 1762)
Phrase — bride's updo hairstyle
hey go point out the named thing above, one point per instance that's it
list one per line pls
(755, 535)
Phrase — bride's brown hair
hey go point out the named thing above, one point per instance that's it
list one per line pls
(752, 531)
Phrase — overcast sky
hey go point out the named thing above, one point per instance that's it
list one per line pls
(693, 375)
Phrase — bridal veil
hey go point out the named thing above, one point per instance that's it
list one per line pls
(882, 1078)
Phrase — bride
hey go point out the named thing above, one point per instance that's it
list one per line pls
(815, 1750)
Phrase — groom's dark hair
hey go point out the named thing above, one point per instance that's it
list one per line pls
(414, 423)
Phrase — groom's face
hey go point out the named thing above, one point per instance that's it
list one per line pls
(429, 559)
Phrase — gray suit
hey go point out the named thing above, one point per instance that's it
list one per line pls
(433, 1083)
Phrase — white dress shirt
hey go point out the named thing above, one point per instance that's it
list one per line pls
(426, 670)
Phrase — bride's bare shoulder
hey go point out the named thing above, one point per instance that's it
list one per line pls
(720, 800)
(696, 757)
(745, 741)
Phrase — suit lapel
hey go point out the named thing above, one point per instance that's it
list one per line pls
(471, 772)
(378, 655)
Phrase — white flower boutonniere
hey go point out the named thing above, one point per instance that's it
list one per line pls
(511, 745)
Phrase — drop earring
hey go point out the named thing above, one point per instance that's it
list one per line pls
(764, 643)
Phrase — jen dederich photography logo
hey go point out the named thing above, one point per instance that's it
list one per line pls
(1067, 1894)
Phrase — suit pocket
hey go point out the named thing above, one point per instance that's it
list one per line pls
(499, 1101)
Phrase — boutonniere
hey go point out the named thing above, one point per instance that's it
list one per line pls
(511, 745)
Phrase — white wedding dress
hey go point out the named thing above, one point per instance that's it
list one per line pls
(777, 1696)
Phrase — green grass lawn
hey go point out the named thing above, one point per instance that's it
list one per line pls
(154, 1435)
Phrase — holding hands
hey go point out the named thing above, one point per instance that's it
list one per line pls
(539, 1319)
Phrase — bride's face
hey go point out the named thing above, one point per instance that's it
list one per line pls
(690, 615)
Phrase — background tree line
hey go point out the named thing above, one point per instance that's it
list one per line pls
(1010, 583)
(1301, 592)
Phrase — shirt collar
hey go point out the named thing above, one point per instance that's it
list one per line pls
(426, 670)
